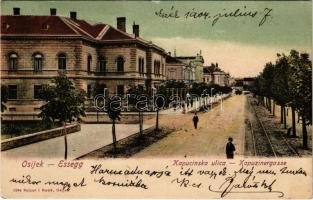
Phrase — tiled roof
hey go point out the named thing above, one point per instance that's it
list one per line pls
(114, 34)
(25, 25)
(56, 25)
(34, 25)
(93, 30)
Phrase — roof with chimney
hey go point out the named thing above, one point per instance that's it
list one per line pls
(26, 25)
(213, 68)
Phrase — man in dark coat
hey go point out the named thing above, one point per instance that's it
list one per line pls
(230, 148)
(195, 120)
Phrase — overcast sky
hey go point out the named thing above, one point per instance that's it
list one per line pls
(239, 45)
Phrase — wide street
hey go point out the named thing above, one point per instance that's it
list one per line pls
(211, 136)
(225, 120)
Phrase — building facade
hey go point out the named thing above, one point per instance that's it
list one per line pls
(194, 67)
(35, 49)
(179, 71)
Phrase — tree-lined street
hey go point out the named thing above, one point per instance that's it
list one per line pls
(211, 136)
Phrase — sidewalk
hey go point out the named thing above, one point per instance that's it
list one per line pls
(90, 138)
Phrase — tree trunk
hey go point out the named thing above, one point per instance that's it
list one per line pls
(293, 113)
(269, 105)
(273, 108)
(304, 133)
(281, 114)
(157, 121)
(114, 136)
(285, 120)
(140, 124)
(65, 142)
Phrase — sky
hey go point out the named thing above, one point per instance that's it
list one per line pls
(238, 44)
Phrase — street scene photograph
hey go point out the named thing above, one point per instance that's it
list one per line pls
(91, 80)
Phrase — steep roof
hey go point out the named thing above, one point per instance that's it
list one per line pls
(34, 25)
(25, 25)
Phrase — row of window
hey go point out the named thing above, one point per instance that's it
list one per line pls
(157, 67)
(12, 91)
(141, 65)
(100, 89)
(37, 61)
(102, 63)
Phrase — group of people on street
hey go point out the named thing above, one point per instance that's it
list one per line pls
(183, 104)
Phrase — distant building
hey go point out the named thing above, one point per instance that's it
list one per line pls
(178, 70)
(243, 83)
(36, 49)
(248, 81)
(214, 75)
(194, 67)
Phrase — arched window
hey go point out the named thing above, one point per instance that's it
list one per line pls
(157, 67)
(141, 63)
(142, 66)
(89, 61)
(102, 64)
(62, 61)
(162, 69)
(13, 58)
(120, 64)
(154, 67)
(38, 58)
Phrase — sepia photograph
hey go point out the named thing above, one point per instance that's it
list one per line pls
(103, 87)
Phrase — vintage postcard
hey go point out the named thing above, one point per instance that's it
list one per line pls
(156, 99)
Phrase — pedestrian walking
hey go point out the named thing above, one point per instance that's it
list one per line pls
(230, 148)
(195, 120)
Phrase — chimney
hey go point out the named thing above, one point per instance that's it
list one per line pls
(136, 30)
(121, 23)
(53, 11)
(16, 11)
(73, 15)
(169, 53)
